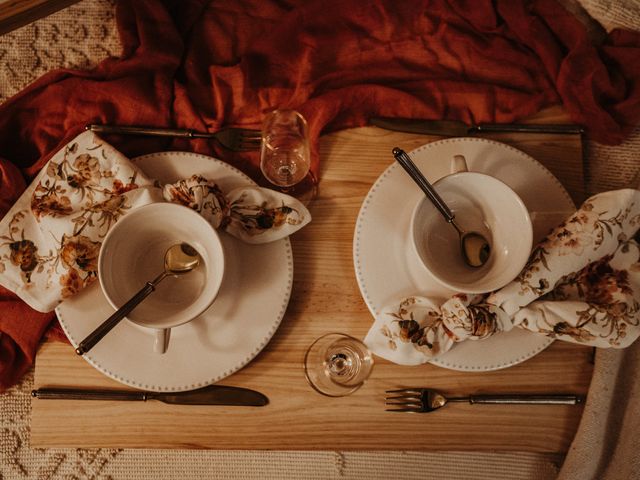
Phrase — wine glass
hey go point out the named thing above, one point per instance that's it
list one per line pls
(285, 157)
(337, 364)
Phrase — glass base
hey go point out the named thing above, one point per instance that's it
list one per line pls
(304, 191)
(337, 364)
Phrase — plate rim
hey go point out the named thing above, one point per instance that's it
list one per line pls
(289, 265)
(441, 360)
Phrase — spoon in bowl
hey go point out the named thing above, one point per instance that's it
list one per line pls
(178, 260)
(474, 246)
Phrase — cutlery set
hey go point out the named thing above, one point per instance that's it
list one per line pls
(410, 400)
(243, 139)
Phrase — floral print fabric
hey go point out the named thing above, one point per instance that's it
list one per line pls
(581, 284)
(252, 214)
(50, 240)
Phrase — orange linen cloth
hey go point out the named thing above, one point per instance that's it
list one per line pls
(203, 65)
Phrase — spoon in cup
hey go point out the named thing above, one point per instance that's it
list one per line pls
(474, 246)
(178, 260)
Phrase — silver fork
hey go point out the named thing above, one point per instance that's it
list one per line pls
(424, 400)
(236, 139)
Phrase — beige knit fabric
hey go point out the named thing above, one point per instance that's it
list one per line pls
(82, 35)
(79, 36)
(606, 444)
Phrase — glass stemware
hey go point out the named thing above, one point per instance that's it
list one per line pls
(337, 364)
(285, 157)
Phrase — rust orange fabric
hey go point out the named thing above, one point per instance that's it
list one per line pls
(205, 64)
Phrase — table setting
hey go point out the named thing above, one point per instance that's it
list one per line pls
(301, 250)
(325, 298)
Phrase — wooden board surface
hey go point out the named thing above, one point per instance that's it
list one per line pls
(326, 298)
(17, 13)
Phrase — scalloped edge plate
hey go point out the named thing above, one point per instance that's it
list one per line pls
(388, 269)
(251, 303)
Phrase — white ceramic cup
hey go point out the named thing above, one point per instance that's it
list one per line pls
(132, 254)
(483, 204)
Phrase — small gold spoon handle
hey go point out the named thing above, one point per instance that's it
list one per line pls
(105, 327)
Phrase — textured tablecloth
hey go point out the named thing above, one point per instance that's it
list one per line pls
(82, 35)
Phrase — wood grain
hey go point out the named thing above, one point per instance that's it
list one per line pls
(326, 298)
(17, 13)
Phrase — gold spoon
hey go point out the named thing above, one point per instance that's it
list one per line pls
(178, 260)
(474, 247)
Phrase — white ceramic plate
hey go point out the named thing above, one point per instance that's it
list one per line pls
(388, 269)
(250, 305)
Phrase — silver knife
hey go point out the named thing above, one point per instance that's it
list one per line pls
(211, 395)
(453, 128)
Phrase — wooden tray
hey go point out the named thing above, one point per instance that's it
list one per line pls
(326, 298)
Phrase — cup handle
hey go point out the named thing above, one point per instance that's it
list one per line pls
(459, 164)
(161, 341)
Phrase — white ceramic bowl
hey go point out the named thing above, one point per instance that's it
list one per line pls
(481, 203)
(133, 252)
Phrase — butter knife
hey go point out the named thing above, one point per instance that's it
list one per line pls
(453, 128)
(211, 395)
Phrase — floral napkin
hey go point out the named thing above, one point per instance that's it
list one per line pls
(50, 239)
(581, 284)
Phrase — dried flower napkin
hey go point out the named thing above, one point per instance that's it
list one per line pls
(581, 284)
(51, 237)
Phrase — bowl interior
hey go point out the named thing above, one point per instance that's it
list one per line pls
(480, 203)
(133, 254)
